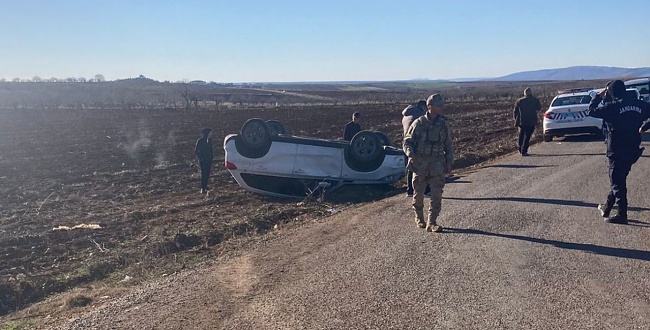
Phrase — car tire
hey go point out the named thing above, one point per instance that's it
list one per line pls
(385, 141)
(254, 139)
(365, 152)
(548, 138)
(275, 127)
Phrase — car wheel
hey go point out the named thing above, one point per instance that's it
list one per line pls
(254, 139)
(385, 141)
(365, 152)
(275, 127)
(548, 138)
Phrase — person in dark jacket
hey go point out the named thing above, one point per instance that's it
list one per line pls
(624, 117)
(352, 127)
(203, 151)
(410, 114)
(525, 115)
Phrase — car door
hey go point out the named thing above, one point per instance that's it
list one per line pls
(316, 160)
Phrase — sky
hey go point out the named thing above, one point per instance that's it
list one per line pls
(318, 40)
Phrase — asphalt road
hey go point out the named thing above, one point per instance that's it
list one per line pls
(523, 248)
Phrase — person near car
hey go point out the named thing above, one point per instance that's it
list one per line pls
(624, 117)
(427, 144)
(352, 127)
(409, 115)
(525, 115)
(203, 151)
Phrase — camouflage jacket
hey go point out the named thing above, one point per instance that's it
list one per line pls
(429, 143)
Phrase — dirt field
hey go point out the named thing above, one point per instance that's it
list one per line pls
(134, 174)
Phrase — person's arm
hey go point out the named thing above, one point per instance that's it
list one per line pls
(197, 148)
(646, 116)
(449, 150)
(594, 109)
(644, 127)
(537, 111)
(409, 141)
(211, 148)
(516, 113)
(346, 132)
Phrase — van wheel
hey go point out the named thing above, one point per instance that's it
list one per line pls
(365, 152)
(385, 141)
(275, 127)
(254, 139)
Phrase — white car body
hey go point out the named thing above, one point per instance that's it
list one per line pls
(642, 85)
(294, 166)
(568, 114)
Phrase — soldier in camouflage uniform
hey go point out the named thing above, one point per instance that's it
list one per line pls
(427, 144)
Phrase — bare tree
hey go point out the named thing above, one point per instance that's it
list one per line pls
(99, 78)
(3, 80)
(37, 79)
(15, 80)
(81, 79)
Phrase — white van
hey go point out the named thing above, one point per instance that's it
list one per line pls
(642, 85)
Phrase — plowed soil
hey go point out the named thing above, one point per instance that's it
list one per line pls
(133, 176)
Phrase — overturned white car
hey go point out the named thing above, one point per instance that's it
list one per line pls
(263, 159)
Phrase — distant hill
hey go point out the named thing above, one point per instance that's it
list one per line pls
(577, 73)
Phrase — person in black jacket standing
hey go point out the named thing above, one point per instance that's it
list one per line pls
(203, 151)
(352, 127)
(624, 117)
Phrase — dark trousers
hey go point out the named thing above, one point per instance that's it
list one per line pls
(206, 167)
(525, 132)
(618, 171)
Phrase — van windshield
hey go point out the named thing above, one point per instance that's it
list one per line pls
(643, 88)
(571, 100)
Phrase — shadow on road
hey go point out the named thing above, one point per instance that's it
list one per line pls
(590, 248)
(538, 200)
(564, 155)
(581, 138)
(455, 179)
(518, 166)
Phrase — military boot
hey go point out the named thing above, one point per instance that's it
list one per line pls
(432, 226)
(419, 218)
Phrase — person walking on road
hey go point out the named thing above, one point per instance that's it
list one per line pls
(624, 117)
(352, 127)
(525, 115)
(410, 114)
(427, 144)
(203, 151)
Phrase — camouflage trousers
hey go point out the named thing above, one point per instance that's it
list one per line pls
(420, 182)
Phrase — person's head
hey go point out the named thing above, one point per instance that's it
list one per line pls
(206, 131)
(355, 117)
(422, 104)
(435, 102)
(616, 89)
(528, 92)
